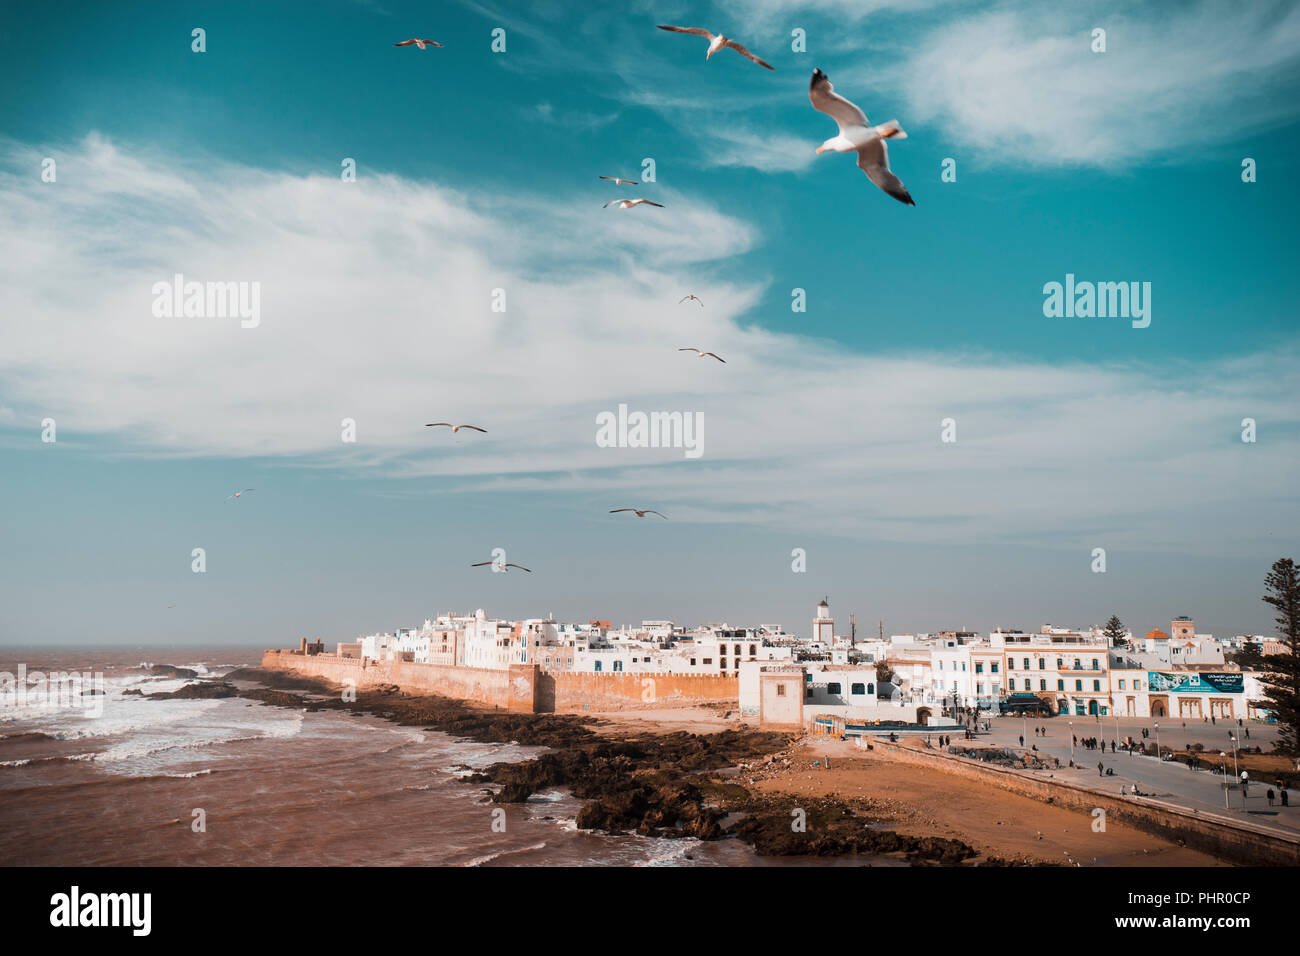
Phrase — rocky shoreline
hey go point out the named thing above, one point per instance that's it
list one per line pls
(670, 785)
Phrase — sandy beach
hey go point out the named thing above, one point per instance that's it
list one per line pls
(923, 802)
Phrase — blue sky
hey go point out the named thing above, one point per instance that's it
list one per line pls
(477, 170)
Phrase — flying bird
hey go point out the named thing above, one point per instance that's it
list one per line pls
(703, 354)
(419, 43)
(455, 428)
(629, 203)
(717, 42)
(620, 182)
(501, 566)
(640, 512)
(238, 493)
(857, 136)
(691, 296)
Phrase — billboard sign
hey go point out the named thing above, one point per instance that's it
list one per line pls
(1190, 683)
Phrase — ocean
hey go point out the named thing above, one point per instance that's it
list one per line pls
(130, 785)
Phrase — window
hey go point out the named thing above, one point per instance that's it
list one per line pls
(692, 662)
(780, 690)
(708, 660)
(1094, 664)
(871, 688)
(1026, 667)
(1042, 685)
(1096, 686)
(979, 688)
(753, 650)
(1121, 683)
(1060, 664)
(1078, 685)
(993, 667)
(737, 650)
(1042, 664)
(858, 689)
(1011, 684)
(1137, 684)
(597, 667)
(1060, 685)
(833, 688)
(618, 665)
(722, 663)
(979, 667)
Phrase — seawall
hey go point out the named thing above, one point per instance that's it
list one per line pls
(524, 688)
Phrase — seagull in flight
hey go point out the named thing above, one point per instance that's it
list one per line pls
(703, 354)
(629, 203)
(501, 566)
(422, 44)
(238, 493)
(620, 182)
(640, 512)
(691, 296)
(455, 428)
(857, 136)
(717, 42)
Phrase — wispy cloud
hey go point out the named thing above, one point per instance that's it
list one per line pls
(1022, 82)
(377, 306)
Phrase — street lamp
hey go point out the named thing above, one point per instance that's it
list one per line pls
(1234, 754)
(1243, 789)
(1157, 740)
(1071, 723)
(1223, 763)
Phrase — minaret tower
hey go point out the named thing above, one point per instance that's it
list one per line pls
(824, 624)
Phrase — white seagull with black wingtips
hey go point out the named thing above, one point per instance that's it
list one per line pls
(857, 136)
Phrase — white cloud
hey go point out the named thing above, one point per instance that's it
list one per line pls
(375, 306)
(1020, 82)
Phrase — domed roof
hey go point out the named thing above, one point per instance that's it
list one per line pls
(1157, 635)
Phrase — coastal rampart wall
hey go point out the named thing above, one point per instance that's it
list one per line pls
(1219, 835)
(523, 688)
(479, 685)
(573, 691)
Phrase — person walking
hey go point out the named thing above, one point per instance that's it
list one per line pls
(1101, 772)
(1270, 796)
(1022, 740)
(1285, 802)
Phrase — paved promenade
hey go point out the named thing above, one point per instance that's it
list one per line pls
(1166, 781)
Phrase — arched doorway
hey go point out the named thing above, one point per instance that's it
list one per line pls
(923, 715)
(1092, 708)
(1159, 708)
